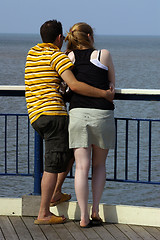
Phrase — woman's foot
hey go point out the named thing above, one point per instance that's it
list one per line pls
(83, 224)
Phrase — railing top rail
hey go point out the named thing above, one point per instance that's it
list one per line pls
(120, 93)
(118, 90)
(138, 91)
(12, 87)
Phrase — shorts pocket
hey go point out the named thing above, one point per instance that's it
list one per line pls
(57, 161)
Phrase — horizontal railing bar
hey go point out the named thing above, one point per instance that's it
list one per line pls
(118, 90)
(137, 97)
(12, 87)
(120, 93)
(138, 91)
(131, 181)
(13, 114)
(17, 174)
(138, 119)
(125, 181)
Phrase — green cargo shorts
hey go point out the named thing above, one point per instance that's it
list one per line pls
(54, 131)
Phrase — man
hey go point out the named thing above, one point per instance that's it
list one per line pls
(45, 66)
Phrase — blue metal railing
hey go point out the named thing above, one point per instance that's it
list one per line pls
(137, 151)
(34, 148)
(5, 123)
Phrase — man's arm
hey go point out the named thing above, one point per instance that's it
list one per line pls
(85, 89)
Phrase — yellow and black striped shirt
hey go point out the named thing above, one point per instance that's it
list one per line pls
(44, 65)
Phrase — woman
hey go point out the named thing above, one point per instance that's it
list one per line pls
(91, 127)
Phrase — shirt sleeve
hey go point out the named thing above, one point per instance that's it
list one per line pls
(60, 62)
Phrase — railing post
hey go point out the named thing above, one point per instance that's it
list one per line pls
(38, 163)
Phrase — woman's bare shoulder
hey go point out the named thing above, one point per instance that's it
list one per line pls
(105, 52)
(71, 56)
(105, 57)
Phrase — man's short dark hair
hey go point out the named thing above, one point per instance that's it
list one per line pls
(50, 30)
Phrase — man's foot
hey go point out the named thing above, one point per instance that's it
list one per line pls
(50, 220)
(64, 198)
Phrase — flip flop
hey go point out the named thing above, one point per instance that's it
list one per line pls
(65, 197)
(53, 220)
(88, 225)
(96, 221)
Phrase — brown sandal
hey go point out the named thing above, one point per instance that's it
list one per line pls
(96, 221)
(53, 220)
(65, 197)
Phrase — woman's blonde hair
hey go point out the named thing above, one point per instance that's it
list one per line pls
(78, 36)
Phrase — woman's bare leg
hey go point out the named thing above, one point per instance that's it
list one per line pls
(98, 176)
(82, 158)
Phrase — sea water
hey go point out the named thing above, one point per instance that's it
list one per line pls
(137, 65)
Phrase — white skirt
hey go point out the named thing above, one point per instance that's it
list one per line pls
(91, 126)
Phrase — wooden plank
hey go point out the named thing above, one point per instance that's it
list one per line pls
(158, 228)
(34, 230)
(75, 230)
(24, 228)
(7, 228)
(128, 232)
(103, 233)
(1, 234)
(115, 232)
(20, 228)
(89, 232)
(142, 232)
(62, 231)
(49, 232)
(153, 231)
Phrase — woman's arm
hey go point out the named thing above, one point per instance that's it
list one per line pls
(106, 60)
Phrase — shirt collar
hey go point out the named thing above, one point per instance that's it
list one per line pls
(47, 45)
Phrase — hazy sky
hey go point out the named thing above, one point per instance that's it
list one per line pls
(118, 17)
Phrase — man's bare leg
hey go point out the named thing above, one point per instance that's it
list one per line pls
(48, 184)
(57, 194)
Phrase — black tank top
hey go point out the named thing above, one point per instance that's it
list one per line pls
(87, 72)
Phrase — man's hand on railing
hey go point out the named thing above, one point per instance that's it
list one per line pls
(110, 94)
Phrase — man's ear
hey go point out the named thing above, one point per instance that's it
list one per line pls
(58, 38)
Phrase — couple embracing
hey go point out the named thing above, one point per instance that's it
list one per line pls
(89, 131)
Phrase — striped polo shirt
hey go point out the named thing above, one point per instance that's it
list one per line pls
(44, 65)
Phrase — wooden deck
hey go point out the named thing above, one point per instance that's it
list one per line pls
(23, 228)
